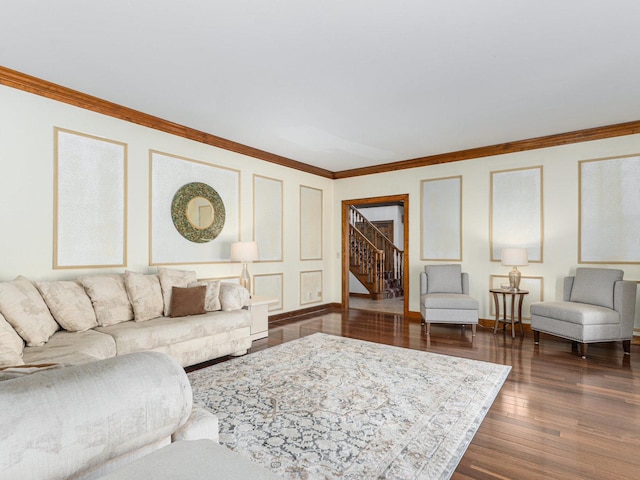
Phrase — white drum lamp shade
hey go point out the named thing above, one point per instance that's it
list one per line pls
(244, 252)
(514, 257)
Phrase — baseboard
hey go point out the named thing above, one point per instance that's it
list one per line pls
(304, 311)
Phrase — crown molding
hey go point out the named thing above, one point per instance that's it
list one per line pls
(586, 135)
(27, 83)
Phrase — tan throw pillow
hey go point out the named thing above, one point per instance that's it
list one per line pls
(212, 297)
(25, 310)
(145, 295)
(233, 297)
(69, 304)
(187, 301)
(170, 278)
(109, 297)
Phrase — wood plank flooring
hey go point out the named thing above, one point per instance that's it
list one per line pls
(557, 416)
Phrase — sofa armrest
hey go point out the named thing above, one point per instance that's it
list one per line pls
(624, 302)
(423, 283)
(566, 290)
(201, 425)
(465, 283)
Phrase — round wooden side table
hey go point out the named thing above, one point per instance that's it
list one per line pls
(517, 296)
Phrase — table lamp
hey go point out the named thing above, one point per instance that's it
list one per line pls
(514, 257)
(244, 252)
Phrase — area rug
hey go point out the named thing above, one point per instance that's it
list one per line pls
(327, 407)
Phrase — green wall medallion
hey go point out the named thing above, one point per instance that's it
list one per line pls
(197, 212)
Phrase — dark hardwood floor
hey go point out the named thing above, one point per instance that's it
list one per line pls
(557, 416)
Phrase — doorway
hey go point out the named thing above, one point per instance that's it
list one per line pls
(402, 201)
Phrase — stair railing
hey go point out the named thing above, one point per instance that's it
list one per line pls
(394, 257)
(366, 260)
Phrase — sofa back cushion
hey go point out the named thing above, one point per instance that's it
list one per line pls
(595, 286)
(69, 304)
(108, 295)
(145, 295)
(169, 278)
(212, 296)
(444, 278)
(23, 307)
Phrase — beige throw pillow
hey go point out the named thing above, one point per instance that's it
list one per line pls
(23, 307)
(233, 297)
(69, 304)
(145, 295)
(8, 357)
(11, 345)
(170, 278)
(212, 296)
(109, 297)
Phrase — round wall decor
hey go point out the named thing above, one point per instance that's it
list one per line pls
(197, 212)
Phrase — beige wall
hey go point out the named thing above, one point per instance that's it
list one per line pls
(560, 213)
(26, 194)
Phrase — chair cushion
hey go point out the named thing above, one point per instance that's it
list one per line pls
(595, 286)
(444, 278)
(575, 312)
(452, 301)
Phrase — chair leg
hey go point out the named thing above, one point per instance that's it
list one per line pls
(583, 350)
(536, 337)
(626, 346)
(473, 330)
(428, 328)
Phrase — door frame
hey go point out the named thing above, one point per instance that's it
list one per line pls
(400, 198)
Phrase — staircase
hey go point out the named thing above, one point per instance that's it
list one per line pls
(373, 259)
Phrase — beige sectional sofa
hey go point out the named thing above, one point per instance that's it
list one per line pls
(127, 417)
(100, 316)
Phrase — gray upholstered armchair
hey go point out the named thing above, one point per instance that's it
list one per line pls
(598, 306)
(444, 297)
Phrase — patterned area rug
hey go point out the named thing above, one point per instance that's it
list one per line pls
(326, 407)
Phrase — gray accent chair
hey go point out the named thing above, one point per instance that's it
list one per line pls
(597, 306)
(444, 297)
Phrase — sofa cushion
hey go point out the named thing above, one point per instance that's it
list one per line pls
(233, 297)
(9, 338)
(444, 278)
(187, 301)
(191, 459)
(73, 420)
(69, 304)
(450, 301)
(159, 332)
(109, 297)
(145, 295)
(575, 312)
(212, 297)
(25, 310)
(73, 348)
(595, 286)
(170, 278)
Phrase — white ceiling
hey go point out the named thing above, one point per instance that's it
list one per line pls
(343, 84)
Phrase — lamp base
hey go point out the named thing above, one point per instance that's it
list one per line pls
(245, 278)
(514, 279)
